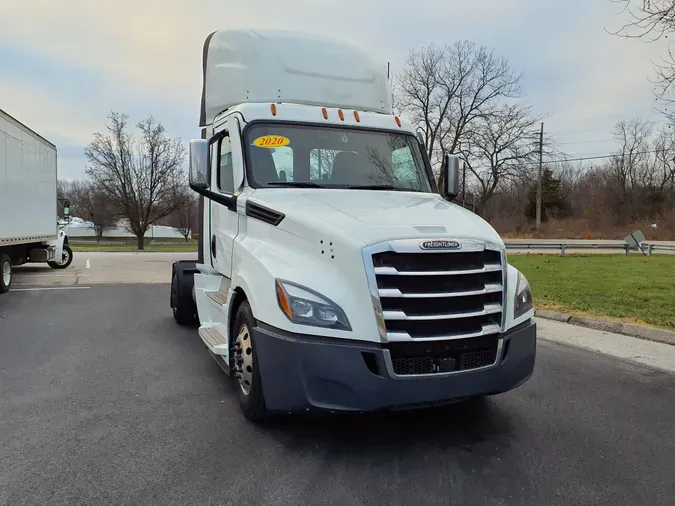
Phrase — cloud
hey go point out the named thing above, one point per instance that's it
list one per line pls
(154, 46)
(53, 118)
(74, 60)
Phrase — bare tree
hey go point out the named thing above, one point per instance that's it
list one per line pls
(445, 89)
(64, 189)
(629, 164)
(500, 146)
(143, 177)
(321, 162)
(570, 176)
(663, 174)
(650, 21)
(185, 218)
(94, 206)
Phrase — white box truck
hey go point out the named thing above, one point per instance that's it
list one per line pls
(332, 275)
(29, 230)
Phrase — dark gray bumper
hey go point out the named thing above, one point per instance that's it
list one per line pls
(307, 373)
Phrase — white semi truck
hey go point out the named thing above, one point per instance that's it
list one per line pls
(29, 230)
(332, 275)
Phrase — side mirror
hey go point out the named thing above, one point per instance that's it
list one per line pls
(199, 162)
(451, 177)
(66, 208)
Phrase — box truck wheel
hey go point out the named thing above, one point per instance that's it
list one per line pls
(5, 273)
(246, 371)
(66, 259)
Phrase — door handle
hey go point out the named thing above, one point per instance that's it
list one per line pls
(213, 246)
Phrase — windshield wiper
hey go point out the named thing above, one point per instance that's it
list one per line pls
(296, 184)
(373, 187)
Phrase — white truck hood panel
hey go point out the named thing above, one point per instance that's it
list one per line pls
(370, 217)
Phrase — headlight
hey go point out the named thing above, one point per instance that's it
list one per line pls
(307, 307)
(523, 302)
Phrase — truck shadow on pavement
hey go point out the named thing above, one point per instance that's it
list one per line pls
(464, 432)
(462, 426)
(25, 269)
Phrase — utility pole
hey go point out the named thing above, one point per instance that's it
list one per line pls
(463, 183)
(541, 153)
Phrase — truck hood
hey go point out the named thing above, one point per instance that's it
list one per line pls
(370, 217)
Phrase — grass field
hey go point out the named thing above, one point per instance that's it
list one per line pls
(632, 289)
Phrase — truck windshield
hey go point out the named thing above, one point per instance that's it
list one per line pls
(327, 157)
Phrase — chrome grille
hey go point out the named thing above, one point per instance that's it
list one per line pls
(438, 295)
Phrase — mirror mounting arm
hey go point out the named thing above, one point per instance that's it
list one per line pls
(229, 201)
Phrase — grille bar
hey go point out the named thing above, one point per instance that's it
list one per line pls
(401, 315)
(437, 296)
(392, 271)
(395, 292)
(400, 336)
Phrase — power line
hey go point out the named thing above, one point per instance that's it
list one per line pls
(585, 142)
(580, 159)
(580, 130)
(563, 132)
(599, 157)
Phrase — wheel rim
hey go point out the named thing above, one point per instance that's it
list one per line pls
(65, 256)
(6, 273)
(243, 359)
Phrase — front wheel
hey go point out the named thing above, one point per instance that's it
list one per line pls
(246, 370)
(5, 273)
(66, 259)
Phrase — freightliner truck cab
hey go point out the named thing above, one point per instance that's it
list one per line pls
(332, 273)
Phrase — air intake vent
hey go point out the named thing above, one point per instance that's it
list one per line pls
(263, 213)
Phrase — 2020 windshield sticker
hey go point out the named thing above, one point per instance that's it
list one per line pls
(271, 141)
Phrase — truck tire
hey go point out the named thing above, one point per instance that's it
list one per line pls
(183, 310)
(5, 273)
(246, 372)
(66, 259)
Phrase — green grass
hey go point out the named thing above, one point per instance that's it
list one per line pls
(632, 289)
(191, 246)
(129, 240)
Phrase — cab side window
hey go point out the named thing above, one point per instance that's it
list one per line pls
(225, 168)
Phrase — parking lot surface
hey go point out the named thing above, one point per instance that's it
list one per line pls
(96, 267)
(105, 400)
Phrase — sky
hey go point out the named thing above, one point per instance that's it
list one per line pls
(65, 65)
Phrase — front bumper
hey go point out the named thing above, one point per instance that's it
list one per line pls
(311, 373)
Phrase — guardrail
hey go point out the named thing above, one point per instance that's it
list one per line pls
(646, 248)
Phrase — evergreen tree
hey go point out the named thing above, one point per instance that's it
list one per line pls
(552, 202)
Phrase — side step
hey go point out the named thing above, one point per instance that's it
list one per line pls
(215, 339)
(219, 297)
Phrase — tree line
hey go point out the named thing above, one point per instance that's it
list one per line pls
(467, 100)
(464, 99)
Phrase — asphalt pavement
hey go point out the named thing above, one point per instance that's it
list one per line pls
(105, 400)
(102, 267)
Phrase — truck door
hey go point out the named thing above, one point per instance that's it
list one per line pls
(227, 175)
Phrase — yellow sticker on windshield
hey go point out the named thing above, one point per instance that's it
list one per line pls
(271, 141)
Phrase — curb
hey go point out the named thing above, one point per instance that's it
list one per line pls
(627, 329)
